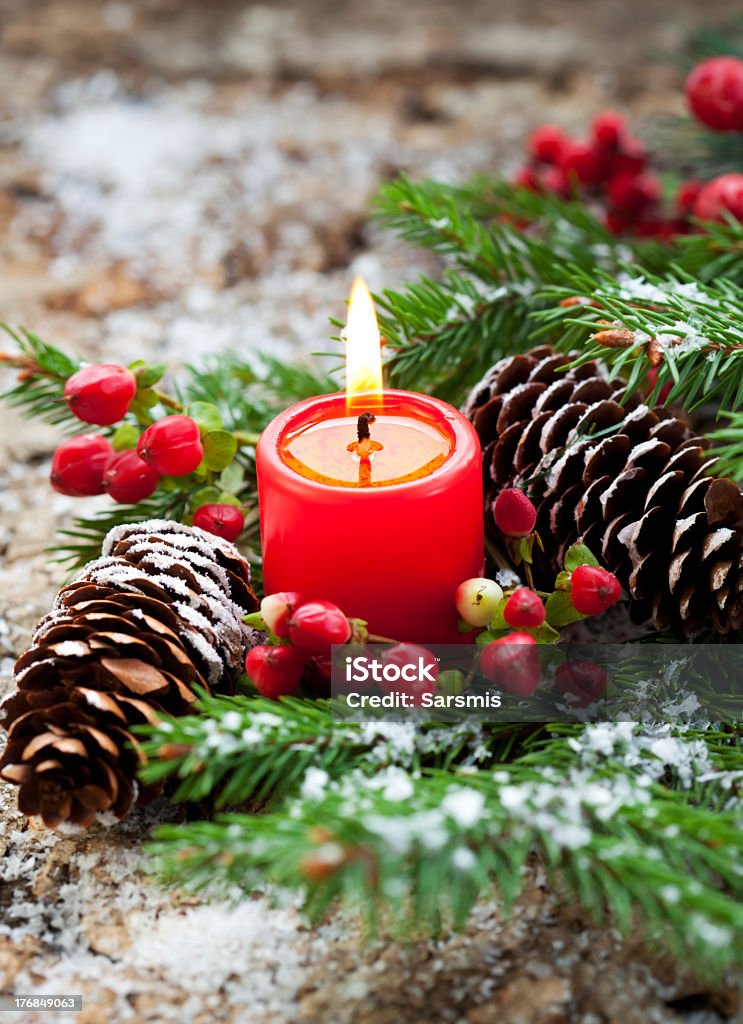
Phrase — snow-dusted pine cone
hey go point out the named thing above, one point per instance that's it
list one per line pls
(159, 612)
(631, 483)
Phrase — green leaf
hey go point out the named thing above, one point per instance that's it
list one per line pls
(229, 499)
(144, 400)
(577, 555)
(204, 496)
(206, 415)
(451, 681)
(562, 581)
(545, 634)
(498, 621)
(560, 610)
(232, 478)
(149, 374)
(125, 437)
(220, 448)
(173, 484)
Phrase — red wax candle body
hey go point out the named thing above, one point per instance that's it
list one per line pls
(389, 545)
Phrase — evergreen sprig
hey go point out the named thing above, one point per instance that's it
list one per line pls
(688, 331)
(249, 394)
(728, 442)
(247, 748)
(507, 253)
(39, 392)
(419, 849)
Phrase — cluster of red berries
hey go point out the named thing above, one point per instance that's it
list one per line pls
(88, 464)
(512, 661)
(305, 632)
(592, 589)
(611, 169)
(513, 664)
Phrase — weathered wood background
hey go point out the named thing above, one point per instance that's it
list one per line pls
(178, 177)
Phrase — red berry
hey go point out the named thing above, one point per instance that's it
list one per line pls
(100, 394)
(630, 194)
(593, 589)
(527, 177)
(686, 196)
(128, 479)
(555, 180)
(277, 609)
(316, 625)
(617, 222)
(722, 194)
(578, 161)
(651, 226)
(714, 92)
(425, 670)
(583, 680)
(78, 465)
(653, 380)
(546, 143)
(607, 129)
(172, 446)
(318, 676)
(523, 609)
(222, 520)
(512, 663)
(631, 157)
(514, 513)
(275, 671)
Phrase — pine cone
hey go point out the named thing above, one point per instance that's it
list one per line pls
(159, 612)
(630, 483)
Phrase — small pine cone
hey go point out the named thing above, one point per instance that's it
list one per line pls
(631, 483)
(158, 614)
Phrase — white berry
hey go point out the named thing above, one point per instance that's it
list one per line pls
(477, 600)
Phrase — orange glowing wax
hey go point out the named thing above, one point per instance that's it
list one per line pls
(410, 449)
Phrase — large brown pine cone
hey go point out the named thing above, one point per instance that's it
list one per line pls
(159, 612)
(631, 483)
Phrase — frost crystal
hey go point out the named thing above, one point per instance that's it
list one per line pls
(464, 805)
(314, 784)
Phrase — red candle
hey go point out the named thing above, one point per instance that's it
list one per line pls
(373, 499)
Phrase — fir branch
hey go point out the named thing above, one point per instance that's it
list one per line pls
(424, 847)
(699, 152)
(248, 748)
(504, 250)
(447, 333)
(713, 41)
(688, 332)
(39, 393)
(728, 446)
(249, 394)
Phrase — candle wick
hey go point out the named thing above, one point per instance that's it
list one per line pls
(364, 448)
(362, 425)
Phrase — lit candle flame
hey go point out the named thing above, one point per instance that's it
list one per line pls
(363, 349)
